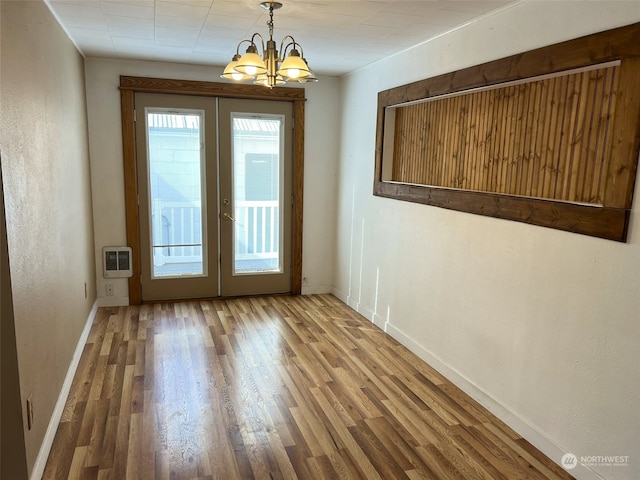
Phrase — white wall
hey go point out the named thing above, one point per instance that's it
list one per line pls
(541, 326)
(105, 136)
(45, 174)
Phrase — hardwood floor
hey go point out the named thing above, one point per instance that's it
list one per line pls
(271, 388)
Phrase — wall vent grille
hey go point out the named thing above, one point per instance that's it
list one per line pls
(116, 262)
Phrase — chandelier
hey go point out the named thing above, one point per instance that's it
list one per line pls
(270, 69)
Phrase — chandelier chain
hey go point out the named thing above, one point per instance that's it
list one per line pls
(270, 23)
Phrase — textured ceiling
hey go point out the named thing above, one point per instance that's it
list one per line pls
(337, 36)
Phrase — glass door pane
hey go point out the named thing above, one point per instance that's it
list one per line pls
(255, 141)
(257, 176)
(177, 182)
(176, 172)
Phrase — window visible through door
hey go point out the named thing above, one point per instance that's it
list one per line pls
(257, 151)
(176, 173)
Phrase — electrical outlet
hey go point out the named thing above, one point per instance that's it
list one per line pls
(109, 289)
(29, 413)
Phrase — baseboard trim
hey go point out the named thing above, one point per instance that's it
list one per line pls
(518, 424)
(316, 289)
(351, 302)
(47, 442)
(112, 301)
(525, 429)
(342, 296)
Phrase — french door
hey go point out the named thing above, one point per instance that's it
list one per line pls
(214, 196)
(255, 196)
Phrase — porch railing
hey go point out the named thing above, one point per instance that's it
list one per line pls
(256, 229)
(177, 237)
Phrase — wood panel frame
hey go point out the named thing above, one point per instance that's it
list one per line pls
(609, 221)
(129, 85)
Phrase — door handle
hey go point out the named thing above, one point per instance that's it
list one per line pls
(226, 216)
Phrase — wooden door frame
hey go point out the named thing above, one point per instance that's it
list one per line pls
(130, 85)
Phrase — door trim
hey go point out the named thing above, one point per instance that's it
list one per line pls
(130, 85)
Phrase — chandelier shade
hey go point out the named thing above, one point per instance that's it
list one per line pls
(266, 81)
(231, 73)
(271, 68)
(294, 66)
(251, 63)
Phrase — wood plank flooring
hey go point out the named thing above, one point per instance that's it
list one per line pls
(271, 388)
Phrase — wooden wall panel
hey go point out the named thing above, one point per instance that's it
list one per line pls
(549, 137)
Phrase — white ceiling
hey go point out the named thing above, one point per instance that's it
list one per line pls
(338, 36)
